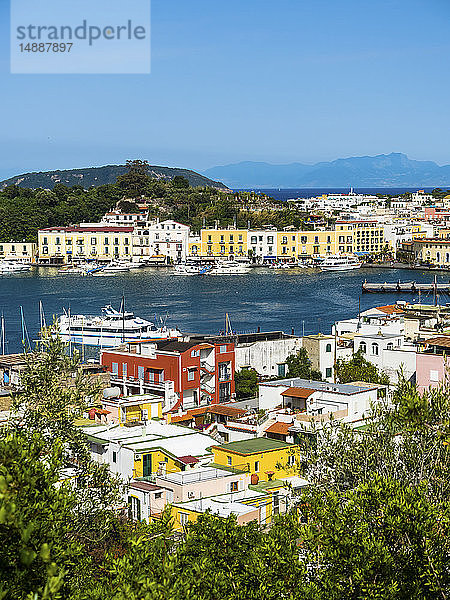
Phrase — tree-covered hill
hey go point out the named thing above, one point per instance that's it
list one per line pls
(23, 211)
(97, 176)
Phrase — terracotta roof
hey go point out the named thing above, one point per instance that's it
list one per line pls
(105, 229)
(296, 392)
(145, 486)
(218, 409)
(188, 459)
(390, 309)
(443, 341)
(228, 411)
(279, 427)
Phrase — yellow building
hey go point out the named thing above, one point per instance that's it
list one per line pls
(316, 243)
(223, 243)
(267, 458)
(60, 245)
(359, 236)
(21, 251)
(432, 250)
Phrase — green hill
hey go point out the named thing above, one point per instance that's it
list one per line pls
(96, 176)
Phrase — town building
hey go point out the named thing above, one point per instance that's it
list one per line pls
(321, 350)
(24, 252)
(144, 450)
(167, 239)
(186, 372)
(61, 245)
(266, 459)
(224, 243)
(317, 400)
(359, 236)
(265, 352)
(432, 363)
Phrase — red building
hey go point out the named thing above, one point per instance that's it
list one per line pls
(188, 372)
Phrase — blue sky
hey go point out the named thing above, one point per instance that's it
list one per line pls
(280, 81)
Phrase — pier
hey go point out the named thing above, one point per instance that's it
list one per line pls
(405, 286)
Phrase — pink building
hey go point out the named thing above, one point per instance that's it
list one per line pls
(433, 363)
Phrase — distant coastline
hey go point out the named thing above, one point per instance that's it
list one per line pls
(287, 193)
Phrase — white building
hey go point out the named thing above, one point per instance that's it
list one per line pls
(166, 238)
(262, 244)
(321, 351)
(312, 400)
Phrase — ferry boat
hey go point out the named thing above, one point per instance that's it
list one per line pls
(340, 263)
(110, 329)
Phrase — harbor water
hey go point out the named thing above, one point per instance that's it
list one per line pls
(299, 299)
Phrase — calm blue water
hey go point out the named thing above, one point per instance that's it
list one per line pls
(266, 298)
(286, 194)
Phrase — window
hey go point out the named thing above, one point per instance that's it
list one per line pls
(270, 239)
(135, 508)
(229, 461)
(115, 368)
(434, 375)
(114, 457)
(363, 347)
(116, 241)
(282, 370)
(234, 486)
(144, 414)
(158, 495)
(184, 518)
(224, 371)
(93, 241)
(256, 465)
(390, 346)
(141, 372)
(375, 349)
(195, 353)
(291, 460)
(328, 372)
(191, 374)
(328, 348)
(124, 370)
(284, 239)
(223, 349)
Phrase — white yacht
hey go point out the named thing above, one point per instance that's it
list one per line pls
(110, 329)
(10, 267)
(340, 263)
(186, 269)
(230, 268)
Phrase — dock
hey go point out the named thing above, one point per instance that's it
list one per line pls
(408, 286)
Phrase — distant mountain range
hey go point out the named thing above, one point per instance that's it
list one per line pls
(383, 170)
(95, 176)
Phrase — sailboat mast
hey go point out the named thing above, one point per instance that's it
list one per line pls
(123, 319)
(3, 334)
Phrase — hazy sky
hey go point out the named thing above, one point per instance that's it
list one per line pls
(232, 80)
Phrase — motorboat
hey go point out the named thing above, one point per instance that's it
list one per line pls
(187, 269)
(111, 328)
(10, 267)
(340, 263)
(229, 268)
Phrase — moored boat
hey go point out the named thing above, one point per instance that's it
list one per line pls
(340, 263)
(110, 329)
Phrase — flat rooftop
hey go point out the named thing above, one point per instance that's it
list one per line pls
(254, 445)
(325, 386)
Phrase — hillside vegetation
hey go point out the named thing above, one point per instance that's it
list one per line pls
(24, 211)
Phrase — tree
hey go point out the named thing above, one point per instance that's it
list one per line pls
(54, 391)
(246, 381)
(359, 369)
(180, 182)
(383, 540)
(299, 365)
(135, 181)
(127, 206)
